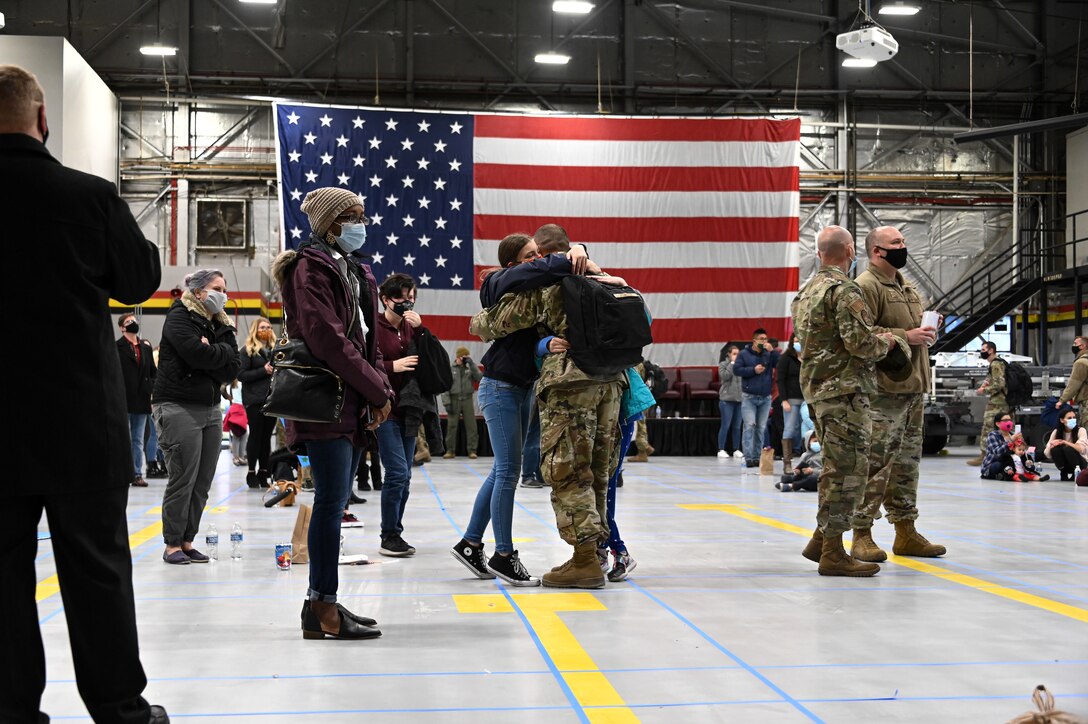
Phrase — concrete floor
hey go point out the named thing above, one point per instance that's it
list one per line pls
(723, 620)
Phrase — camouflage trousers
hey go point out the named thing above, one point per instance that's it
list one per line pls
(893, 459)
(642, 442)
(844, 427)
(996, 404)
(578, 451)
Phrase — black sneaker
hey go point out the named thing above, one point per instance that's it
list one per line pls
(532, 482)
(509, 569)
(624, 564)
(395, 547)
(473, 558)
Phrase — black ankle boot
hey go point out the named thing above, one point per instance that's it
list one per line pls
(348, 629)
(264, 478)
(251, 480)
(357, 500)
(361, 620)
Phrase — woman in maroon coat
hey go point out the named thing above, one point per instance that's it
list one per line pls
(330, 302)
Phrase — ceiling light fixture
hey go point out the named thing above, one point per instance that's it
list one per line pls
(572, 7)
(552, 58)
(163, 50)
(259, 2)
(858, 63)
(898, 8)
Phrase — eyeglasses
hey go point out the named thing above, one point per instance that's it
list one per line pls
(353, 219)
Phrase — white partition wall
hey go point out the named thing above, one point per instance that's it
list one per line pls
(82, 111)
(1076, 194)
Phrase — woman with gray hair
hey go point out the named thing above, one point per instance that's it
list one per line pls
(197, 354)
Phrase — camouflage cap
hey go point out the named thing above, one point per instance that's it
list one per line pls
(897, 365)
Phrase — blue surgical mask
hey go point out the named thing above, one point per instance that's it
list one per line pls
(1071, 423)
(797, 346)
(814, 446)
(215, 302)
(352, 237)
(853, 266)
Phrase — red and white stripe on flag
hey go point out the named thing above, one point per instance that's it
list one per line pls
(701, 215)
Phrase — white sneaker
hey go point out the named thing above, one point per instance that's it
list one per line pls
(723, 454)
(738, 455)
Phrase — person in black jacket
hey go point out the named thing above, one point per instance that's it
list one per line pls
(138, 371)
(255, 358)
(78, 247)
(197, 354)
(789, 391)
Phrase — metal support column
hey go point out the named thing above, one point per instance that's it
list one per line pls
(1044, 310)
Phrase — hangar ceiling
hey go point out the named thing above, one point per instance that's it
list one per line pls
(995, 60)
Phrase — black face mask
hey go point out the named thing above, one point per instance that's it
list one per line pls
(984, 354)
(399, 308)
(132, 328)
(896, 257)
(1076, 349)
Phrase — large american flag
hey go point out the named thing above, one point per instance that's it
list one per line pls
(701, 215)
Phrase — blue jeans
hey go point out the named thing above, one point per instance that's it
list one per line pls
(506, 412)
(791, 423)
(396, 452)
(615, 542)
(730, 427)
(754, 409)
(530, 461)
(151, 449)
(333, 464)
(137, 424)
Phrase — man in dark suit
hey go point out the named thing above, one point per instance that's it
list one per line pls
(138, 372)
(76, 245)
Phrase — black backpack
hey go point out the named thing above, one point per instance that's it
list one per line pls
(656, 380)
(433, 371)
(1019, 388)
(607, 326)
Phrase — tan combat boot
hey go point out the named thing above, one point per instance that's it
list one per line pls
(581, 571)
(814, 546)
(975, 462)
(834, 560)
(909, 542)
(865, 548)
(787, 456)
(640, 457)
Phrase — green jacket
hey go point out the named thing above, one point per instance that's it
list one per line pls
(464, 375)
(896, 308)
(838, 345)
(1076, 388)
(525, 310)
(995, 378)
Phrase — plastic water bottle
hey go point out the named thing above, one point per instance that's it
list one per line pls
(211, 543)
(236, 541)
(657, 412)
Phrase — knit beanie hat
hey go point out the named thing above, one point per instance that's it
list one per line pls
(462, 351)
(323, 205)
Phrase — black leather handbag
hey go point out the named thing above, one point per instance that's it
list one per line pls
(302, 387)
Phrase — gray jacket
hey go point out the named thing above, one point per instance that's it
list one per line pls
(730, 389)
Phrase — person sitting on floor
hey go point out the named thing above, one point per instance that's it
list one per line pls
(1067, 446)
(1019, 464)
(806, 474)
(997, 444)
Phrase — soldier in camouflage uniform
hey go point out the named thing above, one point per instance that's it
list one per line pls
(996, 386)
(839, 348)
(578, 432)
(896, 448)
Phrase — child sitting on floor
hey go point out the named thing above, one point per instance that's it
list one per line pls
(807, 472)
(1019, 464)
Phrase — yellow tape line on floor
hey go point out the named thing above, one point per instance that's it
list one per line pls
(590, 687)
(51, 586)
(1063, 609)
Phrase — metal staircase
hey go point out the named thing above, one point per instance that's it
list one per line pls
(1004, 282)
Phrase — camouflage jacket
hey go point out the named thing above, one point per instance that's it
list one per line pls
(525, 310)
(838, 345)
(995, 380)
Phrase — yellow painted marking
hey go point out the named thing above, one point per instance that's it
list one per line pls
(590, 687)
(157, 510)
(51, 586)
(1063, 609)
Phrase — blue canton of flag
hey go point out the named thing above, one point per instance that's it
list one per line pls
(413, 169)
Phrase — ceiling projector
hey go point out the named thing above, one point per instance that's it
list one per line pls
(870, 43)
